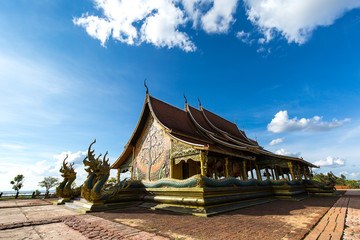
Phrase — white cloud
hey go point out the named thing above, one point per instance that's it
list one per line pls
(276, 141)
(158, 22)
(331, 162)
(282, 123)
(295, 19)
(283, 152)
(159, 19)
(245, 37)
(219, 18)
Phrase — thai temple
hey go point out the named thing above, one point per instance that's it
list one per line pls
(193, 161)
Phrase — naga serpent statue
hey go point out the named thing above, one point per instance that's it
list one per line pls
(64, 190)
(95, 187)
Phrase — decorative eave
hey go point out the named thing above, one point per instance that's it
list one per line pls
(238, 145)
(226, 134)
(195, 145)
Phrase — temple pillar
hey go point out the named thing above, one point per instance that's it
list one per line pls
(244, 170)
(171, 168)
(272, 173)
(118, 175)
(281, 172)
(226, 167)
(291, 170)
(299, 171)
(305, 174)
(258, 174)
(276, 173)
(309, 173)
(267, 173)
(203, 163)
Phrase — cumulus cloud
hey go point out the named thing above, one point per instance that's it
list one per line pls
(283, 152)
(296, 19)
(276, 141)
(331, 161)
(219, 17)
(158, 22)
(282, 123)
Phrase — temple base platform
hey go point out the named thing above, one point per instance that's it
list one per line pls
(206, 197)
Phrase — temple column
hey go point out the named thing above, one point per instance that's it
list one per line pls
(272, 173)
(281, 172)
(203, 163)
(258, 174)
(267, 173)
(309, 173)
(118, 175)
(171, 168)
(251, 169)
(226, 167)
(291, 170)
(305, 174)
(244, 170)
(299, 171)
(276, 173)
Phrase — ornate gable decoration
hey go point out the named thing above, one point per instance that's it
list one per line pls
(181, 152)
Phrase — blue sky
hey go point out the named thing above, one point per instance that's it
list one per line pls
(72, 71)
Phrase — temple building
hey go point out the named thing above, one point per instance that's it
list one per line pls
(169, 142)
(192, 161)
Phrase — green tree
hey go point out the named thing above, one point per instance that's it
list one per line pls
(352, 184)
(340, 181)
(17, 183)
(48, 183)
(320, 177)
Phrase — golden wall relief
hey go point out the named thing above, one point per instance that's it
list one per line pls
(152, 153)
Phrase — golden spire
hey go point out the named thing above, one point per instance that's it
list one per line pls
(147, 89)
(199, 103)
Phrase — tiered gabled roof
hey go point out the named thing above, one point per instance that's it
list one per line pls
(199, 128)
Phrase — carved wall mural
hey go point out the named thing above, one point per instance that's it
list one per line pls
(152, 153)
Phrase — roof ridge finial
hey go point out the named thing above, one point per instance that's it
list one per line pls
(185, 97)
(235, 120)
(199, 102)
(147, 89)
(255, 137)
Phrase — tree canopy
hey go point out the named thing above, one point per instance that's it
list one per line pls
(18, 182)
(339, 181)
(48, 183)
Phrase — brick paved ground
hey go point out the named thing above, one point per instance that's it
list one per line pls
(331, 226)
(35, 219)
(342, 221)
(276, 220)
(352, 224)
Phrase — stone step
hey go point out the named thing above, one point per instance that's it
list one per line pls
(72, 206)
(76, 203)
